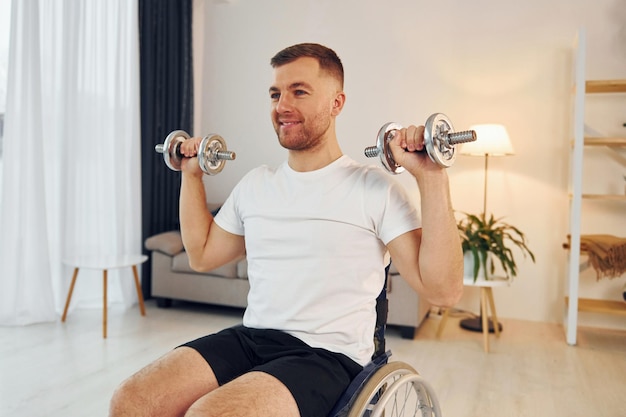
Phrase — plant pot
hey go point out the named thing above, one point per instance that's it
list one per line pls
(468, 268)
(475, 324)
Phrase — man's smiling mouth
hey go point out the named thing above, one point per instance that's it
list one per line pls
(288, 122)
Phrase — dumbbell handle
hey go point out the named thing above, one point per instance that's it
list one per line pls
(465, 136)
(225, 155)
(221, 155)
(440, 142)
(212, 152)
(451, 139)
(160, 148)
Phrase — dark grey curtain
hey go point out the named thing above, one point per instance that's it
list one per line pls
(166, 104)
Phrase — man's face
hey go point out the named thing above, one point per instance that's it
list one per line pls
(303, 104)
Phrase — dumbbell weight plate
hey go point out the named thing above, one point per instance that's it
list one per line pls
(207, 154)
(385, 134)
(171, 153)
(437, 127)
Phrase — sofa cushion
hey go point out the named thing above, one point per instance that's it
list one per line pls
(169, 243)
(180, 263)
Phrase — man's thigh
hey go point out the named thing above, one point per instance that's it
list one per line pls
(166, 387)
(252, 394)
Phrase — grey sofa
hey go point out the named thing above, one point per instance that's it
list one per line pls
(173, 279)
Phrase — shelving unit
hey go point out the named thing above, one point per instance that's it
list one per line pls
(581, 88)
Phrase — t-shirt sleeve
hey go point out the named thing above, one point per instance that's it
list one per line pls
(229, 218)
(400, 214)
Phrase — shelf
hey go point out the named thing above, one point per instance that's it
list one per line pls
(614, 197)
(593, 141)
(601, 306)
(605, 197)
(605, 86)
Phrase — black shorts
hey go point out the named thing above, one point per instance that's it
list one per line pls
(315, 377)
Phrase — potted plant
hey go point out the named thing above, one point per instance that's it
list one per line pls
(490, 240)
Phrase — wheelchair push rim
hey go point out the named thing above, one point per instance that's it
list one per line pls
(396, 390)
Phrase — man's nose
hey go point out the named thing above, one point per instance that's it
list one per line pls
(285, 103)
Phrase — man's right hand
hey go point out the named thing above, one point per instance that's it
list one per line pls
(189, 148)
(189, 164)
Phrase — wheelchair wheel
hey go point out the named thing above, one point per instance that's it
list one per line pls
(396, 390)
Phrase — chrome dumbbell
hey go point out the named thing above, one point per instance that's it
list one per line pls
(212, 153)
(440, 142)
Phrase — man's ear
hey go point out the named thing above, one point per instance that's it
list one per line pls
(338, 102)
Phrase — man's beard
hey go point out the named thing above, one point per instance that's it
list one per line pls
(309, 136)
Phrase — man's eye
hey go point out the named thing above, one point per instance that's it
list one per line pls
(300, 92)
(274, 96)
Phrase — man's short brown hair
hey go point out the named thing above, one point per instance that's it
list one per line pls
(327, 58)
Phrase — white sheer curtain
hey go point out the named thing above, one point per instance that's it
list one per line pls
(71, 172)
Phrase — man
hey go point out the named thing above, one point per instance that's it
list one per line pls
(317, 232)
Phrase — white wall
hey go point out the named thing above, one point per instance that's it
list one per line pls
(480, 61)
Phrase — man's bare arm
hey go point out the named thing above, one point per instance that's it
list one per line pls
(208, 245)
(430, 259)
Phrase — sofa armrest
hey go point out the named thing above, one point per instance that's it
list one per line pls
(170, 243)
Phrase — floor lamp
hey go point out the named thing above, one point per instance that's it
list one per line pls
(493, 140)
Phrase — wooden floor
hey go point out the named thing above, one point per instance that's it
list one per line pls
(68, 370)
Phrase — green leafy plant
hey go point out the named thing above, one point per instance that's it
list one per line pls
(482, 236)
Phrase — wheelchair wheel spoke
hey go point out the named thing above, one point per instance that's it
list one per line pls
(397, 390)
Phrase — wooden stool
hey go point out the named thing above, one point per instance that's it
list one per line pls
(105, 263)
(486, 297)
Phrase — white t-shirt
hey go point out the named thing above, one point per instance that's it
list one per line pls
(315, 245)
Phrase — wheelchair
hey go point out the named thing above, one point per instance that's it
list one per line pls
(383, 388)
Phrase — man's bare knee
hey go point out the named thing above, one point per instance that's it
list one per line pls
(129, 400)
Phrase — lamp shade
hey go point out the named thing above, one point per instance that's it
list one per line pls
(491, 139)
